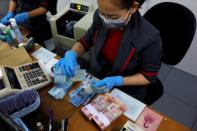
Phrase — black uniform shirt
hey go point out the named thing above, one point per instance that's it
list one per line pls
(140, 49)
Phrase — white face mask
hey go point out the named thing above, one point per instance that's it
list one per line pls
(116, 23)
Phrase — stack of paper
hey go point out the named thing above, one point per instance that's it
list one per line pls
(103, 110)
(130, 126)
(134, 106)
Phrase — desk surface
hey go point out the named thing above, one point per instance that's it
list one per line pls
(77, 122)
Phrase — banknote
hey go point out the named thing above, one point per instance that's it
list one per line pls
(59, 76)
(79, 75)
(104, 118)
(59, 90)
(130, 126)
(114, 110)
(79, 97)
(82, 94)
(99, 90)
(97, 105)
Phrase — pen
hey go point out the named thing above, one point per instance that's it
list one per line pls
(66, 124)
(62, 124)
(50, 120)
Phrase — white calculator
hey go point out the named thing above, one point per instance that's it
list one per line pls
(23, 77)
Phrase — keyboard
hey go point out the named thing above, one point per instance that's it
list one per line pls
(23, 77)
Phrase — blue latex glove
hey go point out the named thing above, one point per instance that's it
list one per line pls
(109, 82)
(5, 19)
(22, 17)
(69, 63)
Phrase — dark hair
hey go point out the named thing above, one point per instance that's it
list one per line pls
(126, 4)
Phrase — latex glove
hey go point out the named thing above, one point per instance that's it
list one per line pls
(22, 17)
(109, 82)
(69, 63)
(5, 19)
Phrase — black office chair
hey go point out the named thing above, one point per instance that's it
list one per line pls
(177, 25)
(140, 2)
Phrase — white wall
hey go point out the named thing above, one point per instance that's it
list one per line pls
(3, 6)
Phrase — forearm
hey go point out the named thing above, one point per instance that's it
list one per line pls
(135, 80)
(78, 48)
(12, 6)
(37, 12)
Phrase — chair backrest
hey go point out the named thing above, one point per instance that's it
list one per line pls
(140, 2)
(177, 25)
(53, 6)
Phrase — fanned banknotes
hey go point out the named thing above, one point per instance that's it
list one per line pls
(83, 94)
(62, 83)
(79, 75)
(86, 91)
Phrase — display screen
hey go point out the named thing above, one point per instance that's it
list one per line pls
(14, 83)
(2, 85)
(79, 7)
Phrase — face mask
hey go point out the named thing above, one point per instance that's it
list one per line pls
(117, 23)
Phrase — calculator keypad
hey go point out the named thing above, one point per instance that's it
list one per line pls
(33, 74)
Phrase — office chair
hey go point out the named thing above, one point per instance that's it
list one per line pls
(177, 26)
(140, 2)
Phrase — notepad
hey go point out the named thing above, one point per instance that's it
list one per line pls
(134, 106)
(149, 120)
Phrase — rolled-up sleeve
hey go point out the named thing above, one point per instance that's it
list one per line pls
(151, 59)
(44, 3)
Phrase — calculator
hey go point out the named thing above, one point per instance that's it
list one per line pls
(28, 76)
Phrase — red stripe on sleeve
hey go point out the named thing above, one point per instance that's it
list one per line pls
(149, 73)
(128, 60)
(82, 40)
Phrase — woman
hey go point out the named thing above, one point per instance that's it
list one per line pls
(30, 14)
(125, 48)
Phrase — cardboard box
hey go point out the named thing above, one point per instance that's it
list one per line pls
(13, 57)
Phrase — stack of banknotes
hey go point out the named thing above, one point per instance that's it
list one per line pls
(63, 83)
(86, 91)
(83, 94)
(103, 110)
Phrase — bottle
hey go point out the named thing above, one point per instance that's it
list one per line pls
(16, 30)
(40, 126)
(14, 39)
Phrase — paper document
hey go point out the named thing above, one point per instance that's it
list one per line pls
(1, 74)
(43, 54)
(149, 120)
(49, 65)
(134, 106)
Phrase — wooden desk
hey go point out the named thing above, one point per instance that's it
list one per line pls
(77, 122)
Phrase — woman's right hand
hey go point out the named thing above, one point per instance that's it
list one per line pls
(69, 63)
(5, 19)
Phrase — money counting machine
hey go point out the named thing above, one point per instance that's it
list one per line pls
(71, 23)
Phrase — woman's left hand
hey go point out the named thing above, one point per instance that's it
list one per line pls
(21, 18)
(109, 82)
